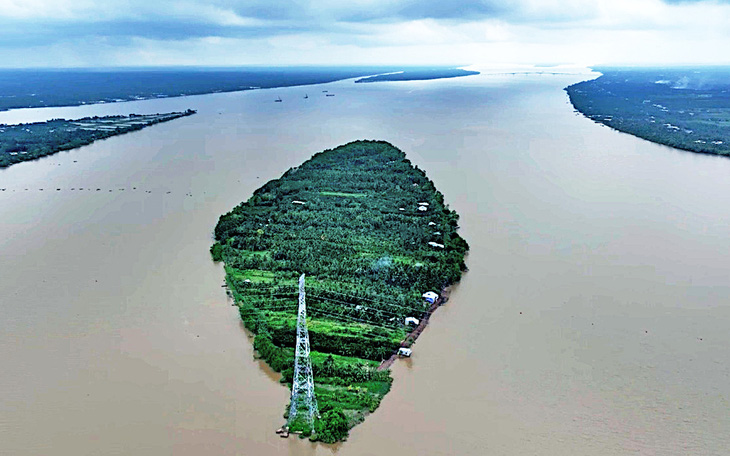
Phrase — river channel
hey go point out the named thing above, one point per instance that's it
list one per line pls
(593, 319)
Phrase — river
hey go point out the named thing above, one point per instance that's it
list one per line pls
(593, 319)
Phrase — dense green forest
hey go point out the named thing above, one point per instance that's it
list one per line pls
(24, 142)
(420, 74)
(684, 108)
(33, 88)
(372, 234)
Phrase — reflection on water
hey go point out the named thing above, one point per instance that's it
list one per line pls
(592, 321)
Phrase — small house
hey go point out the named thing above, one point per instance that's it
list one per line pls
(430, 296)
(403, 351)
(412, 321)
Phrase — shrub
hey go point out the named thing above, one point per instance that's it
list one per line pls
(332, 427)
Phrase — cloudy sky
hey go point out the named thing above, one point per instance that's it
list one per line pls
(88, 33)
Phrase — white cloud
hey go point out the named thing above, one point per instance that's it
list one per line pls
(228, 32)
(43, 9)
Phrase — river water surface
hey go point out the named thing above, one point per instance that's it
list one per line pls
(593, 319)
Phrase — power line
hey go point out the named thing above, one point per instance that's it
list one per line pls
(353, 304)
(370, 300)
(323, 312)
(347, 303)
(254, 310)
(395, 325)
(272, 309)
(323, 290)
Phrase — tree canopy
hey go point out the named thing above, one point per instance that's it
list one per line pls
(372, 234)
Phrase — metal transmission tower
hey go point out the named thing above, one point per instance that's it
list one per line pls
(302, 390)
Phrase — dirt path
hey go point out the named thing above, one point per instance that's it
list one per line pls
(412, 336)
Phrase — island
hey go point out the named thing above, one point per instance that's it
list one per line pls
(420, 74)
(373, 236)
(24, 142)
(685, 108)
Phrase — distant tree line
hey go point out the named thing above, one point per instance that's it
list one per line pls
(24, 142)
(681, 108)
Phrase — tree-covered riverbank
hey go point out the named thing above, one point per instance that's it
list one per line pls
(40, 88)
(24, 142)
(684, 108)
(372, 234)
(421, 74)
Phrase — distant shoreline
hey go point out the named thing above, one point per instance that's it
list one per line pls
(27, 89)
(121, 100)
(652, 104)
(25, 142)
(419, 75)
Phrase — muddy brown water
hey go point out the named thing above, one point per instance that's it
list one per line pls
(593, 319)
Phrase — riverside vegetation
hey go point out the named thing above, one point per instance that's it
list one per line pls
(44, 88)
(24, 142)
(358, 221)
(34, 88)
(420, 74)
(679, 107)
